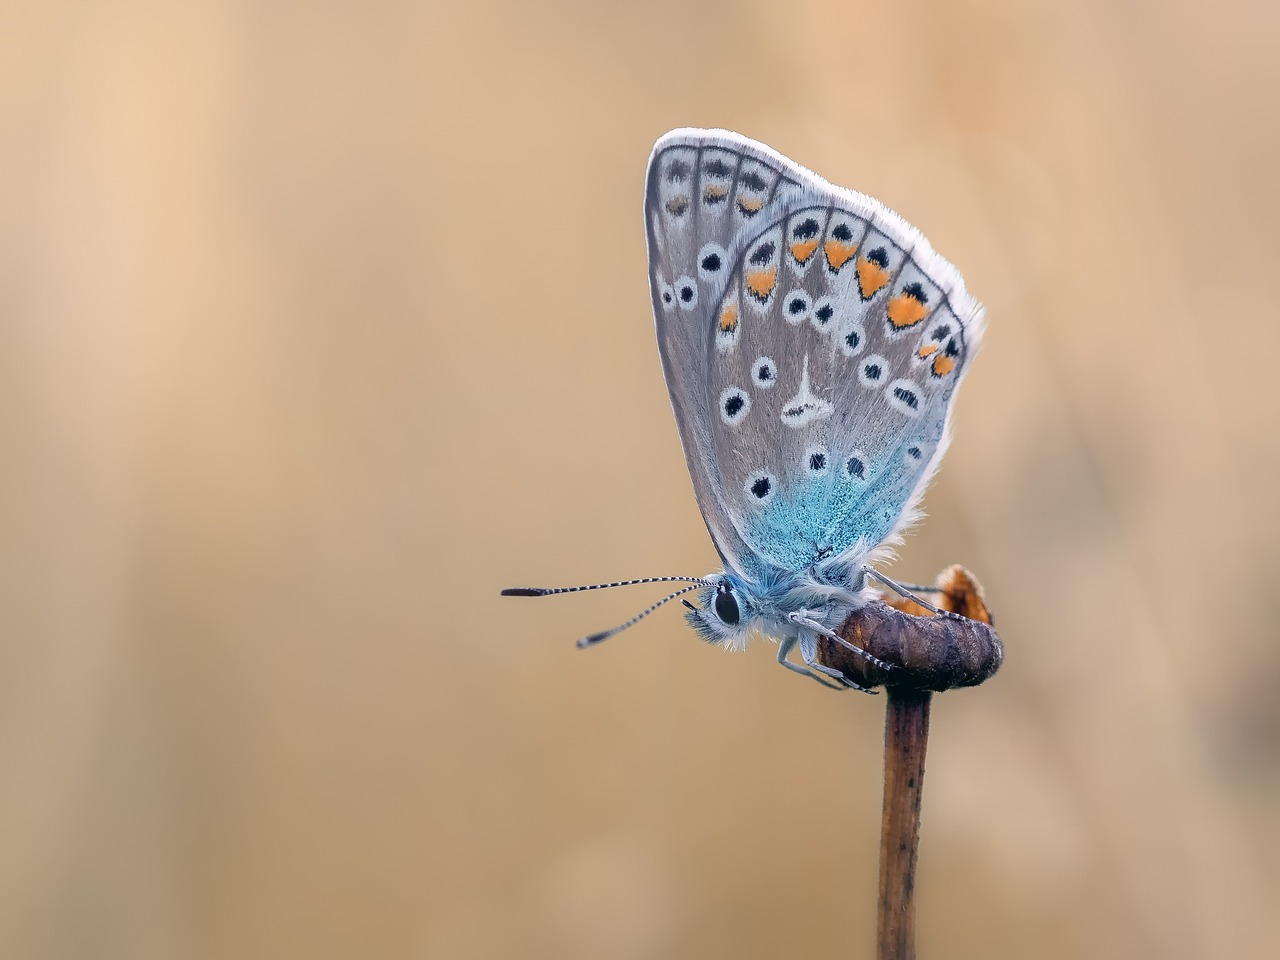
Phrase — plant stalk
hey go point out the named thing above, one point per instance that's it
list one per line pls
(906, 737)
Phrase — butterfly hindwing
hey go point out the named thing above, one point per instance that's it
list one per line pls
(812, 370)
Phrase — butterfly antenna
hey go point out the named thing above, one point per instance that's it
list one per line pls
(548, 591)
(593, 639)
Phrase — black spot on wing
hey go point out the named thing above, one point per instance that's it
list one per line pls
(678, 171)
(806, 230)
(915, 291)
(717, 168)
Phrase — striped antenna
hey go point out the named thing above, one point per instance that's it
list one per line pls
(548, 591)
(593, 639)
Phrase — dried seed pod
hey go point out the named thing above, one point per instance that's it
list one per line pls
(928, 652)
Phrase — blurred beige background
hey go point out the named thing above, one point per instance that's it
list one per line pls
(320, 323)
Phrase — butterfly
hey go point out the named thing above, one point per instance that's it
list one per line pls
(812, 343)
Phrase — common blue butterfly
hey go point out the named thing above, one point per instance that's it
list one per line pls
(812, 342)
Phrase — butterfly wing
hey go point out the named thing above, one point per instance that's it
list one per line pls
(705, 191)
(812, 342)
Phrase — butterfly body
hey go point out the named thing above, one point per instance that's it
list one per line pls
(812, 343)
(768, 604)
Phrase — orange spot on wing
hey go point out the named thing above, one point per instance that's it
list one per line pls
(838, 253)
(928, 350)
(750, 204)
(871, 278)
(905, 310)
(677, 205)
(715, 192)
(942, 365)
(802, 250)
(761, 282)
(729, 318)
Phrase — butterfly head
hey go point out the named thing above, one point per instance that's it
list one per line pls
(726, 614)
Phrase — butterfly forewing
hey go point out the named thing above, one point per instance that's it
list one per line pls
(702, 195)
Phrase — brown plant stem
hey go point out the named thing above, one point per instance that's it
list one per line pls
(927, 653)
(906, 737)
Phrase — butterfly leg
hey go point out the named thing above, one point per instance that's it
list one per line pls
(785, 646)
(809, 653)
(802, 618)
(903, 590)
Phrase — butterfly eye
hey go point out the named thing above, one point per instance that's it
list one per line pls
(726, 607)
